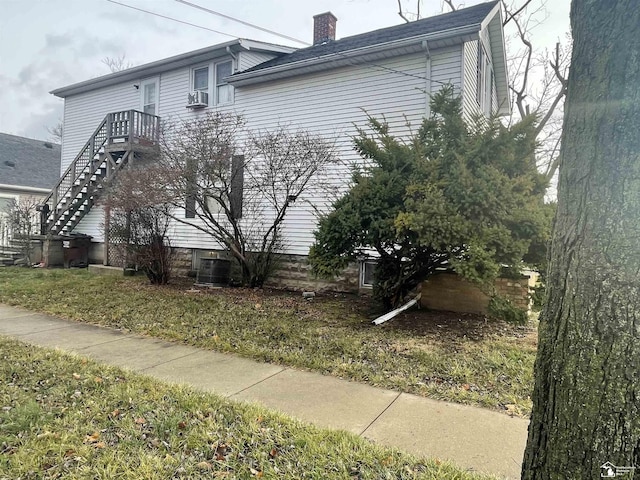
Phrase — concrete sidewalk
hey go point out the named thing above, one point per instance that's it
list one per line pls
(473, 438)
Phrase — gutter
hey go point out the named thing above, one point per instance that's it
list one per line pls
(255, 76)
(19, 188)
(166, 64)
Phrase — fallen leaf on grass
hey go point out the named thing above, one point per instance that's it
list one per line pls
(76, 376)
(221, 452)
(100, 445)
(97, 379)
(512, 408)
(204, 465)
(273, 453)
(93, 438)
(140, 421)
(115, 413)
(256, 473)
(182, 425)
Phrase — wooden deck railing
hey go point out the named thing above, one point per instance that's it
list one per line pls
(128, 126)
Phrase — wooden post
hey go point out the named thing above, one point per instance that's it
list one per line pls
(107, 218)
(109, 128)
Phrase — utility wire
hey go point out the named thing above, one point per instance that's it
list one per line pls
(173, 19)
(367, 64)
(213, 12)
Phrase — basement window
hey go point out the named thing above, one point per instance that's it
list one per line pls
(367, 273)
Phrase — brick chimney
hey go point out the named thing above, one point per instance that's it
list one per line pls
(324, 27)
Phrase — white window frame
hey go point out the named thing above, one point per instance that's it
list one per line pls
(363, 264)
(212, 85)
(147, 81)
(192, 79)
(484, 74)
(216, 84)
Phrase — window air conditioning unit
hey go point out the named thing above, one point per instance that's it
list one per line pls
(197, 99)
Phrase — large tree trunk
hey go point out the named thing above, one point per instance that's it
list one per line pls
(586, 401)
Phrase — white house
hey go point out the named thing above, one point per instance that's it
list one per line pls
(327, 89)
(28, 170)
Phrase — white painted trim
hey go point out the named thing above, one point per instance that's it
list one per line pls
(190, 87)
(147, 81)
(167, 64)
(462, 73)
(362, 272)
(225, 80)
(496, 9)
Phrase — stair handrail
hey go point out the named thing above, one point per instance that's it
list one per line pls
(132, 120)
(91, 143)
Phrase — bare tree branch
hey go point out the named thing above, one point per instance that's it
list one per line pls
(117, 64)
(243, 184)
(401, 12)
(55, 132)
(451, 5)
(513, 15)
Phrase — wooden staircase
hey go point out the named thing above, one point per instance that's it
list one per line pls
(118, 140)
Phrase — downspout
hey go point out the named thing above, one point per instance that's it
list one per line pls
(427, 81)
(235, 58)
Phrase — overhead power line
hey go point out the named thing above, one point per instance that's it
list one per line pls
(173, 19)
(213, 12)
(367, 64)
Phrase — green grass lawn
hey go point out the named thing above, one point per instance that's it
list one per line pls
(63, 416)
(459, 358)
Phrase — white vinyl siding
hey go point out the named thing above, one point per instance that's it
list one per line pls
(445, 68)
(471, 106)
(84, 112)
(330, 103)
(92, 224)
(250, 59)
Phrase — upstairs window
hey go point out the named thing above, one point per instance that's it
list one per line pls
(224, 91)
(484, 85)
(201, 79)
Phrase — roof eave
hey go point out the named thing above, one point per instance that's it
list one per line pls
(159, 66)
(336, 59)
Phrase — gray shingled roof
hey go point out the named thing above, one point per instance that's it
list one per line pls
(448, 21)
(26, 162)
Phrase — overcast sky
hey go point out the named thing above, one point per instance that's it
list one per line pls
(47, 44)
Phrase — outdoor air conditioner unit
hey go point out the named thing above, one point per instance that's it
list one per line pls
(197, 99)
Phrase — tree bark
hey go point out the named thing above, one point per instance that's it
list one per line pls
(586, 400)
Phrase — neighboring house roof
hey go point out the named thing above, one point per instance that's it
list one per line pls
(177, 61)
(25, 162)
(440, 23)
